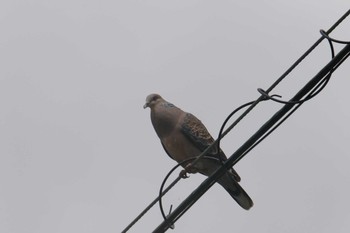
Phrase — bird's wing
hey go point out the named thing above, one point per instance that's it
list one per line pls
(199, 136)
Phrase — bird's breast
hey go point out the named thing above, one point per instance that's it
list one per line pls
(179, 147)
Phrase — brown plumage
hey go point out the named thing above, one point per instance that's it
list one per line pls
(183, 136)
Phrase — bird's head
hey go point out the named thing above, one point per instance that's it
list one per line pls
(152, 100)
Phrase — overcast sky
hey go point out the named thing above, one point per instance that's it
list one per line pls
(78, 152)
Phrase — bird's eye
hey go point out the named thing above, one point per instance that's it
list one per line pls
(154, 98)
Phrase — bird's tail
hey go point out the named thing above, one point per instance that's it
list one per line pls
(236, 191)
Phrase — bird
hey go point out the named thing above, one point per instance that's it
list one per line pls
(184, 136)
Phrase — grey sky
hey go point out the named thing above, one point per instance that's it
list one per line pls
(78, 152)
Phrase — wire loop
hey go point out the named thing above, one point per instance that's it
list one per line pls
(325, 35)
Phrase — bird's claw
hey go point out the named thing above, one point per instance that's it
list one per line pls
(183, 174)
(188, 169)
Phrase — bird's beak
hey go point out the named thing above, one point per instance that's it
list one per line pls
(146, 105)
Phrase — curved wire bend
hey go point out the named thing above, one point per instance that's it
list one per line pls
(315, 92)
(230, 116)
(325, 35)
(264, 93)
(171, 225)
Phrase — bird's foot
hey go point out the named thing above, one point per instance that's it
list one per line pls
(188, 169)
(183, 174)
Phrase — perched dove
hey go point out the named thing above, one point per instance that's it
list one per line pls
(183, 136)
